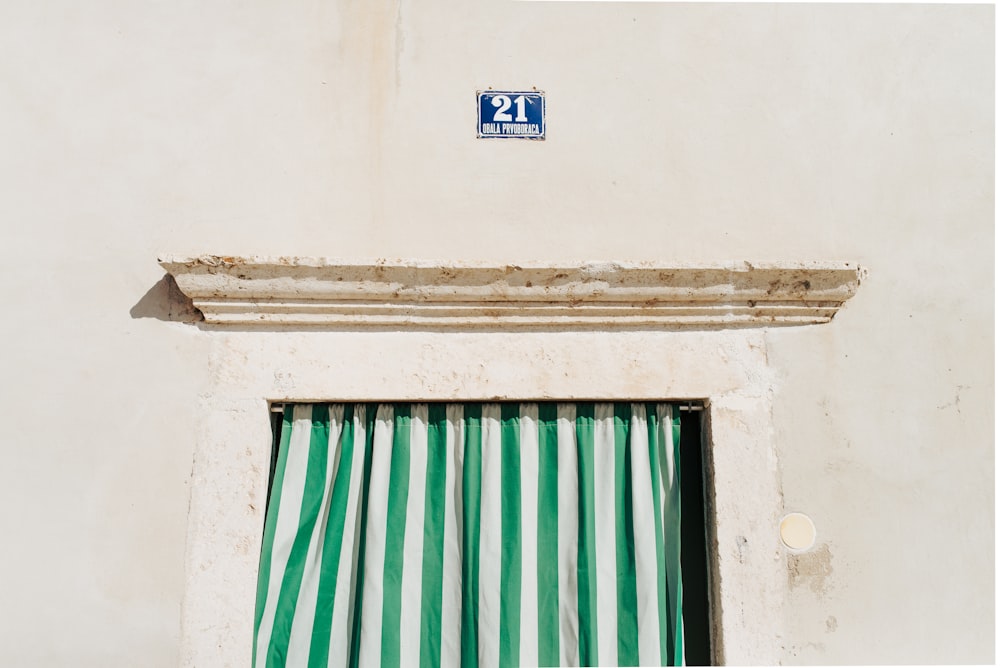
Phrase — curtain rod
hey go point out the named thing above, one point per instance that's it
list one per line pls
(279, 406)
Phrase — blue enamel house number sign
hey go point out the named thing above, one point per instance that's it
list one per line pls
(511, 114)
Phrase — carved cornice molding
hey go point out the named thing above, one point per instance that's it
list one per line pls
(298, 292)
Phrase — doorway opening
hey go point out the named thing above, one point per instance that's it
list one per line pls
(694, 525)
(694, 541)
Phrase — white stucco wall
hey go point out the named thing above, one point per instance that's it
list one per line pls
(676, 132)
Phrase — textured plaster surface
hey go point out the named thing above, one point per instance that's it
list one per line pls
(676, 133)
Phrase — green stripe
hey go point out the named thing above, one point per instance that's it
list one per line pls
(471, 493)
(312, 502)
(333, 544)
(392, 576)
(548, 535)
(510, 534)
(371, 411)
(653, 429)
(628, 614)
(270, 522)
(672, 541)
(586, 547)
(432, 581)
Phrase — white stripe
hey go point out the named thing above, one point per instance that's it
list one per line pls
(300, 635)
(375, 534)
(666, 417)
(643, 521)
(529, 535)
(605, 536)
(287, 522)
(343, 603)
(451, 599)
(490, 540)
(413, 539)
(569, 493)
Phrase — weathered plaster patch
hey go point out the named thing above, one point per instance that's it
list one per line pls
(811, 569)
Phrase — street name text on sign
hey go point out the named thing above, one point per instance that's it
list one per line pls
(511, 114)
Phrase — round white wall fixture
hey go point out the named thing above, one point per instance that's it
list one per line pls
(797, 531)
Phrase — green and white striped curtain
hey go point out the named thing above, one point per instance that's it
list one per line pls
(533, 534)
